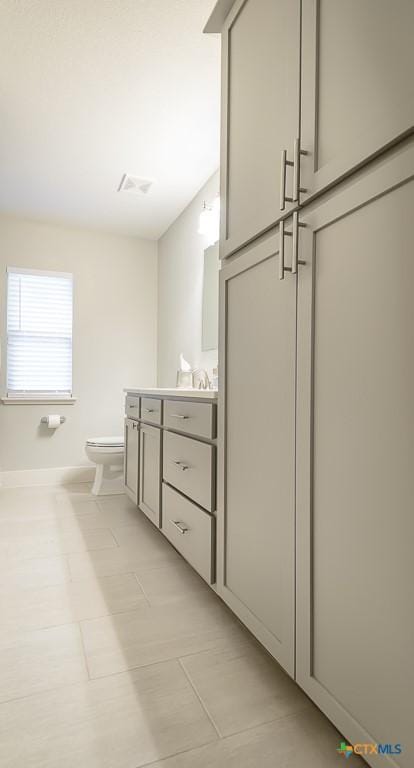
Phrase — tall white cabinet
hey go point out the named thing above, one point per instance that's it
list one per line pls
(257, 442)
(355, 456)
(357, 85)
(311, 89)
(316, 438)
(260, 116)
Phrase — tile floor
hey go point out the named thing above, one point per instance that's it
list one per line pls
(115, 654)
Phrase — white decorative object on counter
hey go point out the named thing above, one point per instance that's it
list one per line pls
(184, 373)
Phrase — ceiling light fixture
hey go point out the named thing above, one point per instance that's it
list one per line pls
(135, 185)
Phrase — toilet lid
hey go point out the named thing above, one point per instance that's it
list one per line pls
(106, 442)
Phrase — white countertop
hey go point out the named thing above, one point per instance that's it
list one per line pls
(197, 394)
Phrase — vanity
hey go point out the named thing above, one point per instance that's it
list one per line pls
(170, 467)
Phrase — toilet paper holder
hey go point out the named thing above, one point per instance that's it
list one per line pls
(44, 419)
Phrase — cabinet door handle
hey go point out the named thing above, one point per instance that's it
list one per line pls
(295, 242)
(178, 416)
(283, 163)
(282, 181)
(180, 526)
(180, 465)
(297, 152)
(295, 246)
(282, 250)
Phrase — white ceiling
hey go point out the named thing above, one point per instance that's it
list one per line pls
(91, 89)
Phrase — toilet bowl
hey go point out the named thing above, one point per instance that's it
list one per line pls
(108, 455)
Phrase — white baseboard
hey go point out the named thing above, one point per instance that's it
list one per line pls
(51, 476)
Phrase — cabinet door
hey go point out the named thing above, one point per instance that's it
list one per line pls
(256, 515)
(260, 115)
(150, 473)
(355, 454)
(357, 84)
(131, 459)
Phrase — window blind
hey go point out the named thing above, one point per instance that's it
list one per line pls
(39, 332)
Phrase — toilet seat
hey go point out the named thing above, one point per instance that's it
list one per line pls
(104, 450)
(106, 442)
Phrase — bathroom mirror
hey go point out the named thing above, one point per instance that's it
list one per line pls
(210, 298)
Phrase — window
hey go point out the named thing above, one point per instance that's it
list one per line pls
(39, 333)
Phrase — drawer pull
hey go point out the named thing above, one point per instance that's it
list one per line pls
(132, 406)
(180, 465)
(178, 416)
(180, 526)
(149, 410)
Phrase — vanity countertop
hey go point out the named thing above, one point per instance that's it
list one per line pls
(188, 394)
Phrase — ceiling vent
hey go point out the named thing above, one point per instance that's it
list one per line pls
(134, 185)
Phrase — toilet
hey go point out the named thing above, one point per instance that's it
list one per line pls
(108, 455)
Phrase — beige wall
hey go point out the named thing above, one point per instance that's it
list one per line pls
(114, 337)
(180, 285)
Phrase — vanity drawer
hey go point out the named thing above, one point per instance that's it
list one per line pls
(194, 418)
(190, 530)
(151, 410)
(190, 466)
(132, 406)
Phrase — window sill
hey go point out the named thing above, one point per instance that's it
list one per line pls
(48, 400)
